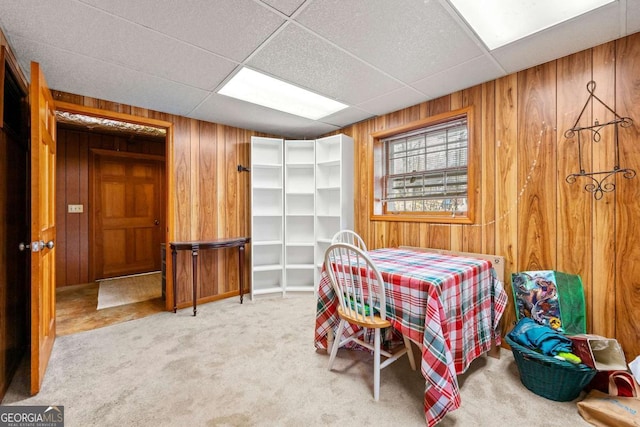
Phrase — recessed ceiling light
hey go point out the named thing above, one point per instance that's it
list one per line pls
(257, 88)
(500, 22)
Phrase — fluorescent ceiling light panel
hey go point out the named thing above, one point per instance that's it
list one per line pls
(500, 22)
(258, 88)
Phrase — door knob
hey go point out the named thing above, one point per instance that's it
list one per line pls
(22, 246)
(50, 244)
(156, 222)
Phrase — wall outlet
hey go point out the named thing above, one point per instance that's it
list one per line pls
(75, 208)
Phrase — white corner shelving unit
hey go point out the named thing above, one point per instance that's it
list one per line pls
(267, 218)
(301, 195)
(334, 192)
(299, 185)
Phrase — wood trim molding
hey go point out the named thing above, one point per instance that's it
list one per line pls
(113, 115)
(126, 154)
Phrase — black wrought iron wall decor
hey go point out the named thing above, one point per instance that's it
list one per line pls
(599, 184)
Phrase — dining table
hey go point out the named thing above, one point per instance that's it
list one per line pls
(449, 305)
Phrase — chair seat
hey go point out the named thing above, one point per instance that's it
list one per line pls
(366, 322)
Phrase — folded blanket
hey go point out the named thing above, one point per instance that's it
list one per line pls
(540, 337)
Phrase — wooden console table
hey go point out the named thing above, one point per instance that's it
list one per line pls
(194, 246)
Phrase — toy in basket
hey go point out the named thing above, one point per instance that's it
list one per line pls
(550, 298)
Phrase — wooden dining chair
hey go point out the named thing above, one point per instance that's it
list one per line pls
(350, 237)
(359, 288)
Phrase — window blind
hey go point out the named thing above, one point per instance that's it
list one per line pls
(428, 166)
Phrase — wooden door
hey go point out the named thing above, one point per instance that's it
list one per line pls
(128, 213)
(43, 228)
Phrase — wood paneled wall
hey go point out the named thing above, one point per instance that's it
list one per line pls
(211, 198)
(527, 212)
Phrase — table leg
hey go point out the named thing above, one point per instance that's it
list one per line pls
(174, 268)
(194, 257)
(241, 271)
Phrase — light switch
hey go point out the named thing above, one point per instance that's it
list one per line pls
(75, 208)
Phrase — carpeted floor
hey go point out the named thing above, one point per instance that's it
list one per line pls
(129, 289)
(255, 365)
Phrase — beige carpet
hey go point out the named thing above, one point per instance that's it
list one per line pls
(129, 289)
(255, 365)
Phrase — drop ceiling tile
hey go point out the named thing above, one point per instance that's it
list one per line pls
(87, 31)
(585, 31)
(303, 59)
(285, 6)
(633, 17)
(346, 117)
(409, 39)
(393, 101)
(223, 109)
(314, 130)
(458, 77)
(77, 74)
(232, 29)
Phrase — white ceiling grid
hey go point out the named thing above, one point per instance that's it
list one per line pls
(377, 56)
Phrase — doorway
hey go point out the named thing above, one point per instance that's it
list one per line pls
(98, 150)
(14, 223)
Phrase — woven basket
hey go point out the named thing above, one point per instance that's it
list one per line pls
(549, 377)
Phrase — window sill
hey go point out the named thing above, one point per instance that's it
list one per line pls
(428, 218)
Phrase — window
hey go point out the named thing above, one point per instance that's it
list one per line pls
(422, 170)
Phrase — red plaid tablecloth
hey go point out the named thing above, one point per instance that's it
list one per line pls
(451, 304)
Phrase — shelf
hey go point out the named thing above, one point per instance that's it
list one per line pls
(255, 187)
(299, 193)
(268, 215)
(300, 165)
(266, 243)
(328, 216)
(268, 267)
(329, 163)
(269, 290)
(337, 187)
(305, 288)
(299, 267)
(323, 240)
(267, 165)
(300, 244)
(300, 214)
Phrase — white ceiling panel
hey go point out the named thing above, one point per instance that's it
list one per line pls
(79, 74)
(295, 55)
(588, 30)
(408, 39)
(393, 101)
(347, 116)
(377, 56)
(232, 29)
(86, 31)
(632, 16)
(285, 6)
(459, 77)
(223, 109)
